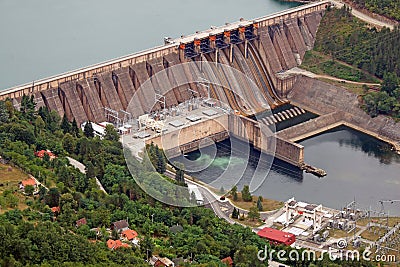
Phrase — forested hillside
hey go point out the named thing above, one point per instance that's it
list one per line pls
(47, 233)
(345, 38)
(387, 8)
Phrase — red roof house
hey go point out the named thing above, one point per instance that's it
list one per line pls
(277, 237)
(164, 262)
(115, 244)
(80, 222)
(27, 182)
(129, 234)
(55, 209)
(41, 153)
(228, 261)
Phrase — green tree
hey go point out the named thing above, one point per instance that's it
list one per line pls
(65, 125)
(246, 196)
(147, 246)
(179, 172)
(235, 213)
(110, 133)
(90, 170)
(22, 133)
(88, 130)
(259, 203)
(68, 143)
(75, 128)
(161, 166)
(42, 192)
(81, 182)
(253, 214)
(11, 200)
(29, 189)
(10, 108)
(390, 83)
(3, 112)
(28, 107)
(222, 190)
(234, 193)
(39, 125)
(114, 234)
(52, 198)
(157, 157)
(113, 175)
(247, 256)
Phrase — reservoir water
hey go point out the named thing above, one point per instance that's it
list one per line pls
(359, 167)
(40, 38)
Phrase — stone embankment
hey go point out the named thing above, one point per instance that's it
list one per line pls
(336, 106)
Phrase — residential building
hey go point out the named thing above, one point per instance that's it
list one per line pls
(228, 261)
(30, 181)
(41, 153)
(80, 222)
(120, 226)
(115, 244)
(161, 262)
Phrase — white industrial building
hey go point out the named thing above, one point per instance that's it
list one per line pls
(194, 189)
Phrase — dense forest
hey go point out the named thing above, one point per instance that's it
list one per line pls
(387, 8)
(347, 39)
(40, 236)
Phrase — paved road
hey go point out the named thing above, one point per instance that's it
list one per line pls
(82, 169)
(223, 208)
(365, 17)
(297, 70)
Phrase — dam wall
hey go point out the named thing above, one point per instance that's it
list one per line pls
(205, 132)
(249, 130)
(312, 127)
(336, 106)
(192, 136)
(261, 47)
(288, 151)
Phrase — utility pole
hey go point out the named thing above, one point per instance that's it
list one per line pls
(158, 98)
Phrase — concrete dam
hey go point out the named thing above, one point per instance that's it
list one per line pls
(262, 49)
(259, 48)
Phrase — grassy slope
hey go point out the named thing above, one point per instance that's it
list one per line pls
(322, 64)
(268, 204)
(10, 181)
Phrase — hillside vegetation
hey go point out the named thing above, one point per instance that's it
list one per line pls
(346, 38)
(387, 8)
(34, 235)
(365, 52)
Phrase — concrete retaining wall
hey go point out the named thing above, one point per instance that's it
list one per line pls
(190, 137)
(343, 106)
